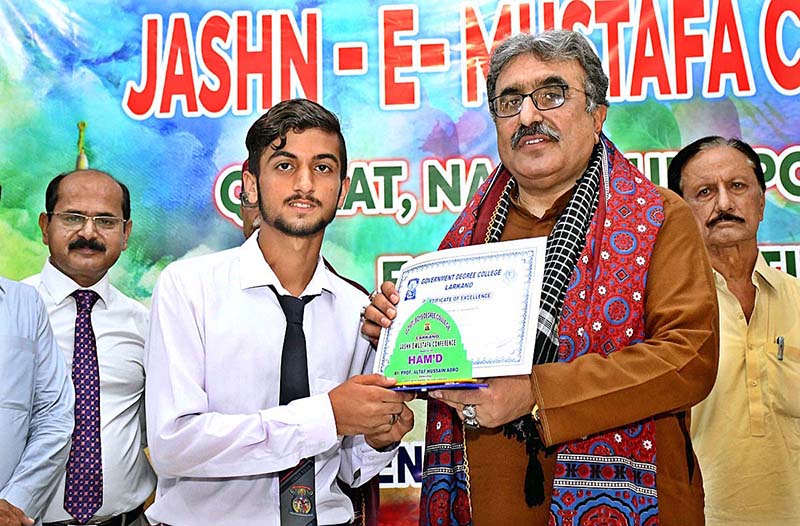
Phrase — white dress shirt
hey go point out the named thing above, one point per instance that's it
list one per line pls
(217, 436)
(36, 401)
(119, 324)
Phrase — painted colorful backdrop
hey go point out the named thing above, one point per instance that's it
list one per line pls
(168, 90)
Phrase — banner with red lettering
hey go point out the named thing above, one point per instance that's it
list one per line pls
(168, 90)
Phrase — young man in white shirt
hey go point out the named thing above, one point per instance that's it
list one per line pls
(219, 434)
(86, 225)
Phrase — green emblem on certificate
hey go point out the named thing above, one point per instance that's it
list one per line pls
(464, 314)
(429, 349)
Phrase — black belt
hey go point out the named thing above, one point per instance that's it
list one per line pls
(122, 519)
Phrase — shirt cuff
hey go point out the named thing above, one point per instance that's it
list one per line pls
(374, 457)
(313, 417)
(19, 498)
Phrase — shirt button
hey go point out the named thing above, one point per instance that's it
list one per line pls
(753, 383)
(741, 316)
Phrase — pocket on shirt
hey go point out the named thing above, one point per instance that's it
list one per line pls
(786, 387)
(17, 368)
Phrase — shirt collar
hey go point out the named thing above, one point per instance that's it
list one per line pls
(60, 286)
(765, 272)
(256, 272)
(762, 270)
(552, 213)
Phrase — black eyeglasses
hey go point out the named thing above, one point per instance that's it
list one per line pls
(545, 98)
(73, 221)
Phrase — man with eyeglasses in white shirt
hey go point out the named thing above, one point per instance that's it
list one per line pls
(86, 226)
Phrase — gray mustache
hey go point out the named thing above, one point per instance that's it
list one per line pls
(538, 128)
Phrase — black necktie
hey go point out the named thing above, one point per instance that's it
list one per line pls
(298, 503)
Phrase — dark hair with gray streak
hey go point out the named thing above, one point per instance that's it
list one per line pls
(553, 46)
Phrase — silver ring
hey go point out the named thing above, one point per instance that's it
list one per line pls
(373, 294)
(393, 420)
(363, 312)
(470, 416)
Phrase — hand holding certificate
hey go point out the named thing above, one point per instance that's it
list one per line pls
(464, 313)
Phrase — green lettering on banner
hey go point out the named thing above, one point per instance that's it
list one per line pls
(654, 163)
(782, 257)
(481, 172)
(389, 268)
(785, 172)
(450, 185)
(770, 168)
(791, 264)
(388, 174)
(359, 190)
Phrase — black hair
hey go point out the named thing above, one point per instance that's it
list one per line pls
(675, 169)
(51, 194)
(295, 115)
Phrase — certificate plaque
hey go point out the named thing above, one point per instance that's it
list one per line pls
(464, 313)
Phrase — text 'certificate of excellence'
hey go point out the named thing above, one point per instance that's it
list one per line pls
(465, 313)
